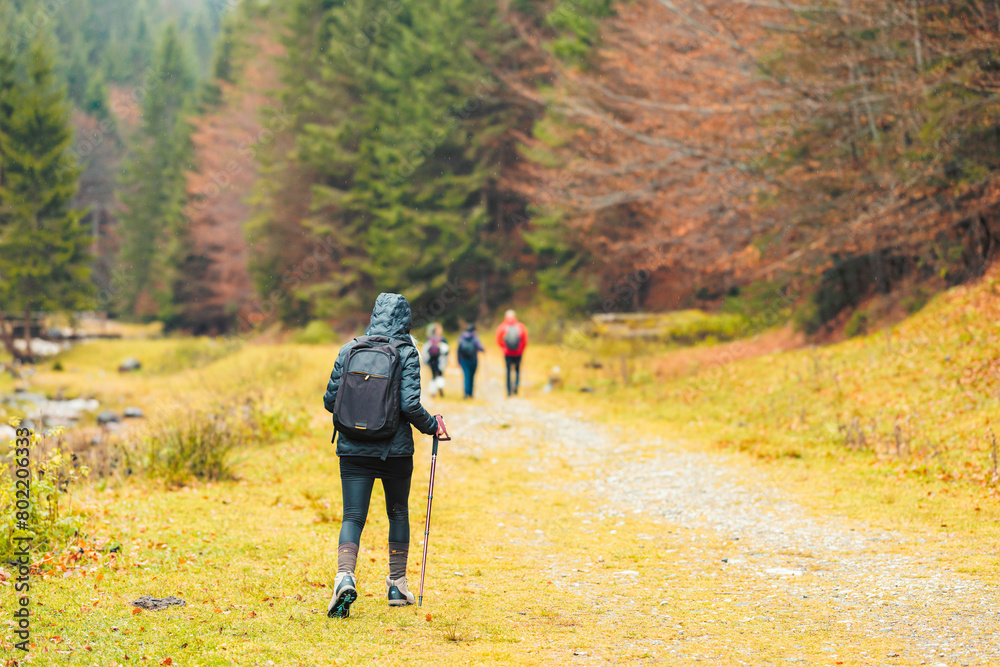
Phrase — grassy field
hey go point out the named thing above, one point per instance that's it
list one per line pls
(255, 556)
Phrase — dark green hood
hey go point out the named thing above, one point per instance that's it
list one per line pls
(390, 317)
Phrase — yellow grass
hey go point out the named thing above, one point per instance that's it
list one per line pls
(255, 558)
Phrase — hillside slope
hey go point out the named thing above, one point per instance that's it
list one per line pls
(913, 409)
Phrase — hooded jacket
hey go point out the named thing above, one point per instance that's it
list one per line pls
(512, 321)
(391, 318)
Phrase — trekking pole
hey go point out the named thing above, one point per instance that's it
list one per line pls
(443, 430)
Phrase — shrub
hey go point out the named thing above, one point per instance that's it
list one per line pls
(47, 522)
(193, 444)
(914, 302)
(199, 442)
(807, 318)
(764, 304)
(857, 325)
(688, 327)
(681, 327)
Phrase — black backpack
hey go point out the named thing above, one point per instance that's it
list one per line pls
(467, 347)
(368, 399)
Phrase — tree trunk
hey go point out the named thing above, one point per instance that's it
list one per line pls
(918, 48)
(484, 292)
(28, 356)
(7, 337)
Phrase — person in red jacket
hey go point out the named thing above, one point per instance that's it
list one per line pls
(512, 337)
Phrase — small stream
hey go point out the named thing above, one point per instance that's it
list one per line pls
(44, 412)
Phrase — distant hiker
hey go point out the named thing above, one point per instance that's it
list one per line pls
(469, 347)
(435, 356)
(512, 337)
(374, 395)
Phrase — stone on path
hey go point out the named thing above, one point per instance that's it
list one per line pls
(130, 364)
(783, 572)
(156, 604)
(107, 417)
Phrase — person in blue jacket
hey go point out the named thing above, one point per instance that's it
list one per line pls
(469, 347)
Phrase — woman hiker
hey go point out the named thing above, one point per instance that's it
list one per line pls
(435, 356)
(469, 347)
(390, 459)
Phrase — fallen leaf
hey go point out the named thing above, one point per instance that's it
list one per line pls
(167, 661)
(136, 611)
(427, 618)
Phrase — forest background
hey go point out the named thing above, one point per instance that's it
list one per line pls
(220, 166)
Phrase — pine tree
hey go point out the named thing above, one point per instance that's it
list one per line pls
(44, 248)
(222, 65)
(153, 188)
(397, 128)
(95, 100)
(280, 241)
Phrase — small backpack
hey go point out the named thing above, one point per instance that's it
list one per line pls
(434, 346)
(512, 339)
(467, 347)
(368, 399)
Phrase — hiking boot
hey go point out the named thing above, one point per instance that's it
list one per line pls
(399, 595)
(344, 593)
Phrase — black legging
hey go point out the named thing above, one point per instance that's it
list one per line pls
(357, 477)
(433, 361)
(515, 364)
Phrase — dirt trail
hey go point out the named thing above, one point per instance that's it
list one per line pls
(884, 592)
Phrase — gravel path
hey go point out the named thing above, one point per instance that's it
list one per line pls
(876, 582)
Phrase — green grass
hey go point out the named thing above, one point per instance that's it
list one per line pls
(683, 327)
